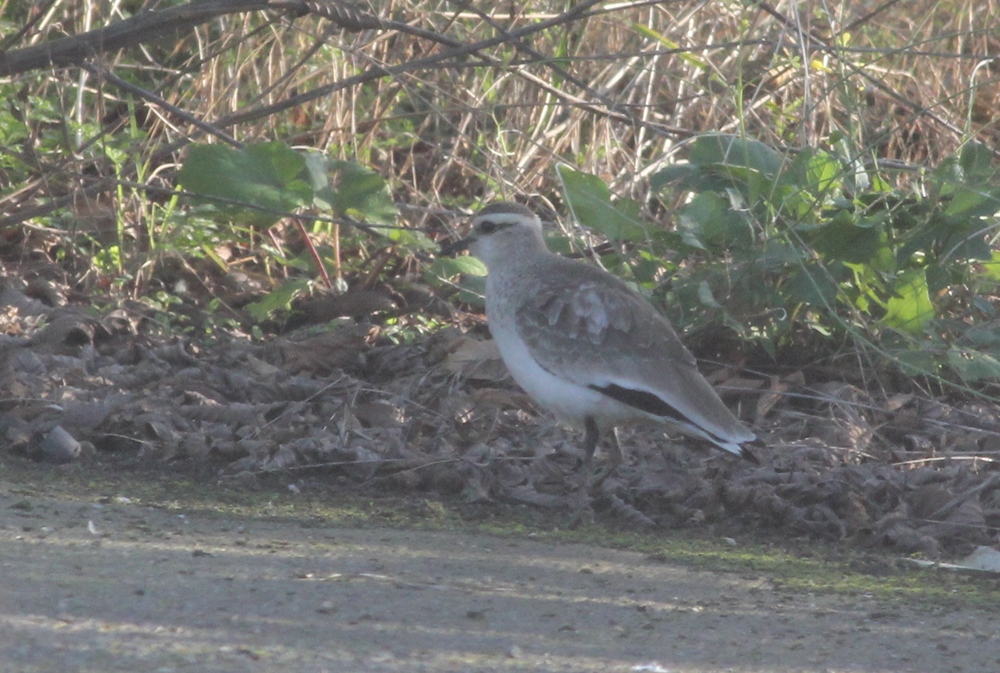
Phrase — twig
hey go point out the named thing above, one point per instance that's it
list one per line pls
(942, 512)
(151, 97)
(141, 28)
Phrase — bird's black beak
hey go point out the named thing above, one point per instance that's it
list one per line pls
(456, 246)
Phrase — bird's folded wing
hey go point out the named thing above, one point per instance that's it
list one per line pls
(600, 334)
(596, 326)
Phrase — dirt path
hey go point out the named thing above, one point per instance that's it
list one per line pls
(123, 587)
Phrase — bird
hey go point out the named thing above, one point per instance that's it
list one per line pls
(587, 347)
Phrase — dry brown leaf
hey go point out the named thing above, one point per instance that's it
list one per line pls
(500, 398)
(766, 402)
(476, 360)
(897, 401)
(379, 414)
(320, 355)
(353, 303)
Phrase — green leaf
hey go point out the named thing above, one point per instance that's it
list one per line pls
(686, 175)
(449, 267)
(347, 188)
(728, 162)
(910, 307)
(811, 284)
(287, 164)
(982, 336)
(410, 238)
(847, 242)
(473, 290)
(728, 150)
(709, 221)
(968, 202)
(940, 277)
(647, 268)
(698, 178)
(276, 300)
(992, 267)
(917, 362)
(972, 365)
(816, 171)
(706, 297)
(590, 200)
(269, 178)
(976, 161)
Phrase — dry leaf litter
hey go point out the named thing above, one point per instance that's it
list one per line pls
(905, 474)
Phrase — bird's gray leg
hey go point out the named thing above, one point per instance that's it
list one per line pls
(615, 458)
(592, 435)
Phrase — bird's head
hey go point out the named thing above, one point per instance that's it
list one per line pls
(500, 233)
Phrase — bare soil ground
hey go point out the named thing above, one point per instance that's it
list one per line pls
(96, 580)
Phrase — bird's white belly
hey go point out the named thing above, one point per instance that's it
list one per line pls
(570, 401)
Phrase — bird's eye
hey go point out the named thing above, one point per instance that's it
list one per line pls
(487, 227)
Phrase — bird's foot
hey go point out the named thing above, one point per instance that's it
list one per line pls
(588, 489)
(601, 474)
(581, 510)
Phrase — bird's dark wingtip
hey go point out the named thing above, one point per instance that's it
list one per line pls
(748, 454)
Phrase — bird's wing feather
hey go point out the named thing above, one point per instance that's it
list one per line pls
(599, 333)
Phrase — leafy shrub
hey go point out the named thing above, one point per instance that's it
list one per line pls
(259, 184)
(777, 244)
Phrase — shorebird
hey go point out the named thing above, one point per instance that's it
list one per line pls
(587, 347)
